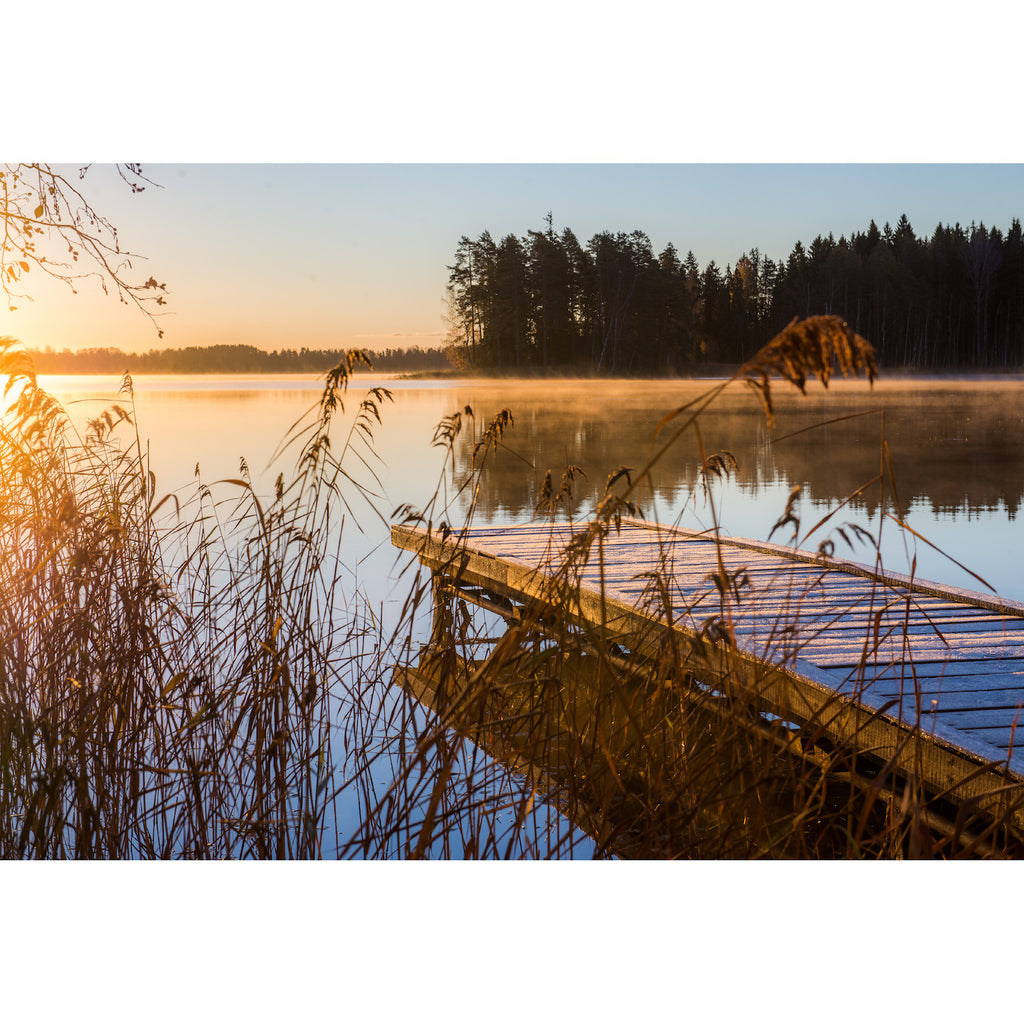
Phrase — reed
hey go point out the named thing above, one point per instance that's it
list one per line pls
(169, 671)
(191, 678)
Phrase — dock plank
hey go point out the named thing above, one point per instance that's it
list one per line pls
(942, 659)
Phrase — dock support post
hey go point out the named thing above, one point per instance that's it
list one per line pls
(443, 619)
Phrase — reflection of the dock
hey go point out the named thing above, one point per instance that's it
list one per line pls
(588, 765)
(609, 747)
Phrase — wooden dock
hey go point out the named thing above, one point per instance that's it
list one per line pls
(872, 660)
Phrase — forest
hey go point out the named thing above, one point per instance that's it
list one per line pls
(229, 359)
(954, 301)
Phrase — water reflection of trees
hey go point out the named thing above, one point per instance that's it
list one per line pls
(954, 448)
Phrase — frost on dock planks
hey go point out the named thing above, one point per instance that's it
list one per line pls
(874, 659)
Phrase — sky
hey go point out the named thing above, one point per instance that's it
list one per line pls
(341, 255)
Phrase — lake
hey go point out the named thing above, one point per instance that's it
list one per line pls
(955, 447)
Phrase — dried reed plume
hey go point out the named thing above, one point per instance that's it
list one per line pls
(806, 350)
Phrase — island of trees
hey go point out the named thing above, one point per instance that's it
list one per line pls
(230, 359)
(951, 301)
(544, 302)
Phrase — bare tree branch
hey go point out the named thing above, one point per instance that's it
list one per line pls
(50, 226)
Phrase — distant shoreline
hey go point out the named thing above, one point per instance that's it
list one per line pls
(230, 359)
(409, 364)
(708, 372)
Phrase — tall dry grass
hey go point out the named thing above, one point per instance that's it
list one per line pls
(170, 672)
(193, 679)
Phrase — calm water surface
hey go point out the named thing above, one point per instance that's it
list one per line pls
(956, 448)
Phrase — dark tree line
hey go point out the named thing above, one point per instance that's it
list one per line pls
(229, 359)
(951, 301)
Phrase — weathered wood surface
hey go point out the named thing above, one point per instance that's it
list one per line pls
(874, 659)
